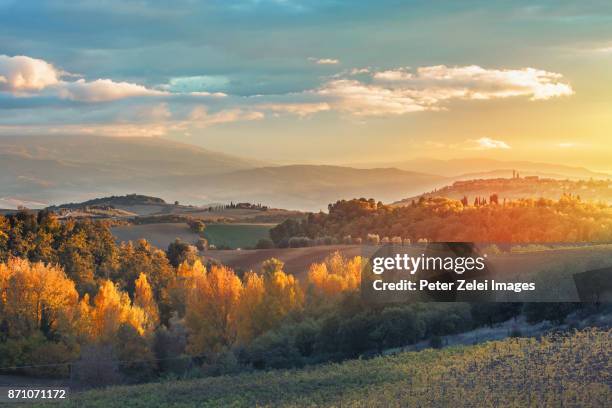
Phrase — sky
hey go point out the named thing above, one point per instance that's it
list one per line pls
(312, 81)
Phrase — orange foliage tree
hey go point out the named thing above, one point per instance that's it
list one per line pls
(267, 298)
(34, 296)
(143, 298)
(111, 309)
(212, 310)
(335, 275)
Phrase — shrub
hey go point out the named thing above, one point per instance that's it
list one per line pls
(264, 243)
(299, 242)
(435, 342)
(201, 244)
(98, 366)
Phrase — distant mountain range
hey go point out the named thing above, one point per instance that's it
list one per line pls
(465, 169)
(42, 171)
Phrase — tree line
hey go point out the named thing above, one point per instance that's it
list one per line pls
(568, 219)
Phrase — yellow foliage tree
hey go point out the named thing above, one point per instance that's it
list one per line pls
(34, 296)
(143, 298)
(267, 299)
(252, 318)
(111, 309)
(336, 274)
(187, 274)
(212, 311)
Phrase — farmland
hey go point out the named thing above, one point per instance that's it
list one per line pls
(236, 235)
(162, 234)
(159, 235)
(566, 370)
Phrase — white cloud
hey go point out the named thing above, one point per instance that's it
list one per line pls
(400, 91)
(200, 117)
(25, 74)
(299, 109)
(486, 143)
(475, 82)
(324, 61)
(102, 90)
(368, 100)
(212, 94)
(96, 129)
(400, 74)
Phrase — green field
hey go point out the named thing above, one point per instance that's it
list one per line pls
(236, 235)
(569, 371)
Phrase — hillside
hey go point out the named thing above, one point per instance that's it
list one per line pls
(556, 371)
(441, 219)
(524, 187)
(128, 199)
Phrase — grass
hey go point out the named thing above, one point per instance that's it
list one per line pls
(236, 235)
(569, 371)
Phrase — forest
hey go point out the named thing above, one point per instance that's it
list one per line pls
(74, 303)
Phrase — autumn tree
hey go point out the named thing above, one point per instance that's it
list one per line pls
(335, 275)
(111, 309)
(267, 299)
(212, 311)
(143, 298)
(34, 296)
(187, 275)
(179, 252)
(252, 317)
(139, 258)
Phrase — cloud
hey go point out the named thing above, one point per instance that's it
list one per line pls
(94, 129)
(212, 94)
(299, 109)
(29, 76)
(200, 117)
(474, 82)
(486, 143)
(399, 91)
(24, 74)
(361, 99)
(400, 74)
(324, 61)
(103, 90)
(356, 91)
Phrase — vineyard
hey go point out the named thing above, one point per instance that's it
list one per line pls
(555, 371)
